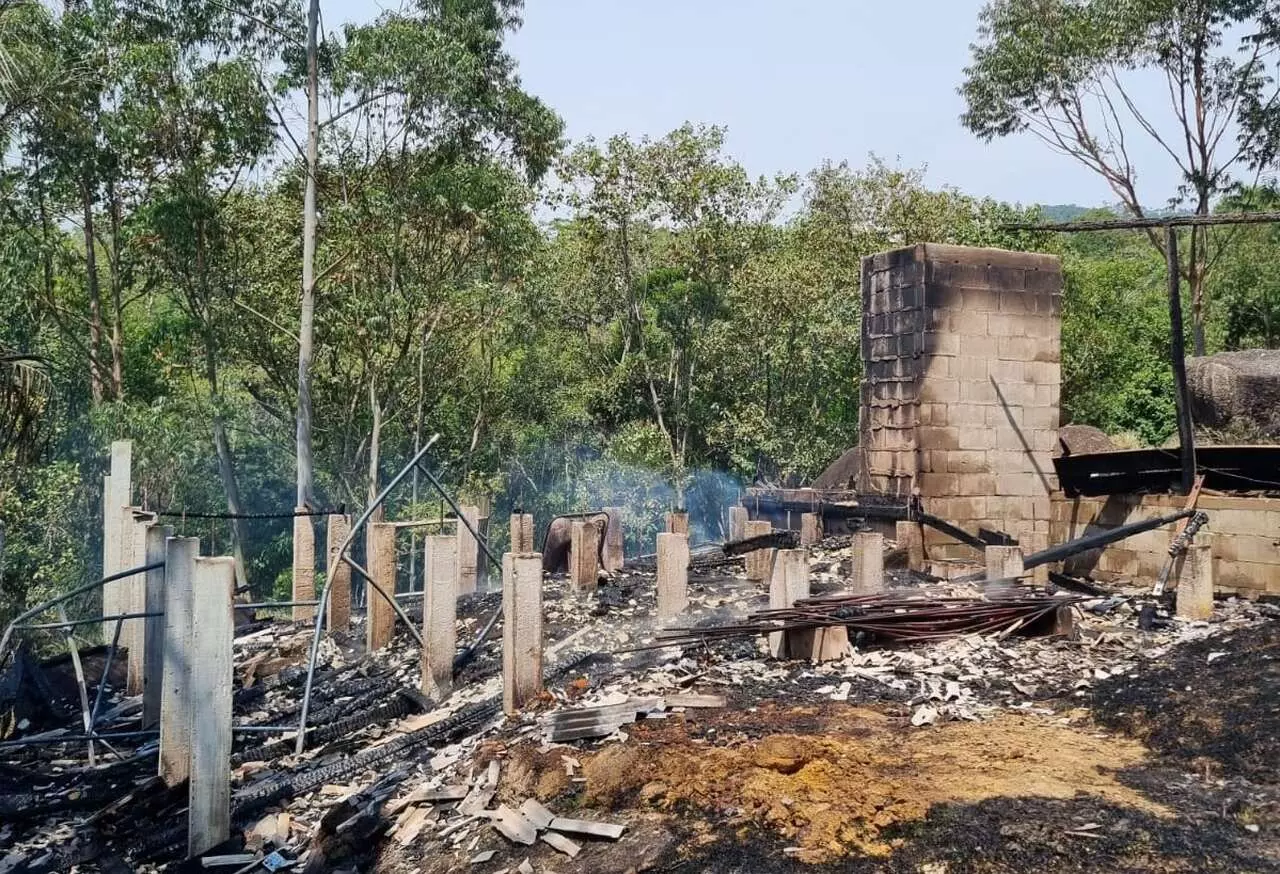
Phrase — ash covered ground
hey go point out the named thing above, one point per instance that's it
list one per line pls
(1119, 750)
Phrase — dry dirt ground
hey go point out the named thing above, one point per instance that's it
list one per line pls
(1177, 770)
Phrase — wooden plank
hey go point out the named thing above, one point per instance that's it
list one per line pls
(380, 617)
(175, 693)
(608, 711)
(587, 827)
(213, 628)
(304, 566)
(694, 700)
(439, 615)
(521, 629)
(338, 617)
(153, 602)
(598, 729)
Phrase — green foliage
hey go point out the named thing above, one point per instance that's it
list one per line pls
(651, 327)
(1116, 373)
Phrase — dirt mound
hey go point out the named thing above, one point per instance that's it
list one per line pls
(838, 791)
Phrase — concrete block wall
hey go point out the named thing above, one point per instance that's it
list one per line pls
(961, 352)
(1243, 531)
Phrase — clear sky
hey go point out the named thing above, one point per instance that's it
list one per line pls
(794, 82)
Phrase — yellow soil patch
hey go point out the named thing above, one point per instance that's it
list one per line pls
(831, 792)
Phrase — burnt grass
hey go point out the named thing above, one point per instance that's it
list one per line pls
(1016, 835)
(1223, 715)
(1214, 732)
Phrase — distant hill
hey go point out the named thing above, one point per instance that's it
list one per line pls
(1069, 212)
(1063, 212)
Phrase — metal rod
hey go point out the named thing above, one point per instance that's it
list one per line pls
(1225, 218)
(79, 590)
(102, 678)
(469, 653)
(390, 599)
(266, 729)
(1102, 538)
(92, 620)
(1178, 354)
(82, 685)
(497, 562)
(328, 585)
(79, 738)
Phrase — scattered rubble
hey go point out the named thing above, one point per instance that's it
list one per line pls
(660, 754)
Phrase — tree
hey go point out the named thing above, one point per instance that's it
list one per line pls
(669, 224)
(1065, 71)
(1247, 282)
(307, 310)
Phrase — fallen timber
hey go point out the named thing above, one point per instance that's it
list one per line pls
(889, 618)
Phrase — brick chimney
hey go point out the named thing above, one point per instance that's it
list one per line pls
(961, 349)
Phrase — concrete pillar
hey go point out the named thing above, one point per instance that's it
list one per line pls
(304, 566)
(788, 584)
(677, 522)
(175, 694)
(521, 532)
(810, 529)
(1003, 562)
(213, 628)
(868, 563)
(439, 615)
(468, 551)
(133, 594)
(737, 523)
(759, 561)
(380, 617)
(828, 644)
(1064, 622)
(1195, 581)
(584, 556)
(117, 494)
(1038, 542)
(153, 602)
(673, 574)
(339, 615)
(614, 541)
(521, 629)
(911, 538)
